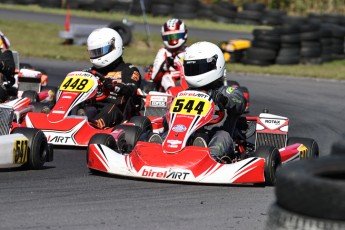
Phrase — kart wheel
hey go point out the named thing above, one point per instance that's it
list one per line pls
(143, 122)
(312, 146)
(32, 95)
(272, 161)
(132, 135)
(104, 139)
(38, 146)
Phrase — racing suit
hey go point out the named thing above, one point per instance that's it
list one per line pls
(164, 64)
(233, 102)
(7, 71)
(122, 80)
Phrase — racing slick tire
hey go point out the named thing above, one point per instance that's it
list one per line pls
(32, 95)
(37, 147)
(104, 139)
(272, 162)
(312, 192)
(143, 122)
(312, 146)
(132, 135)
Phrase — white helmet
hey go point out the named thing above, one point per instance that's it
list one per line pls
(174, 34)
(203, 64)
(105, 46)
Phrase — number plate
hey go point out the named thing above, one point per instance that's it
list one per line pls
(76, 84)
(20, 151)
(190, 106)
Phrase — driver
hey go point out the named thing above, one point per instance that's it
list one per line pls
(204, 68)
(105, 49)
(7, 70)
(174, 35)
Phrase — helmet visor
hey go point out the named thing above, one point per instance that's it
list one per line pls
(99, 52)
(172, 37)
(200, 66)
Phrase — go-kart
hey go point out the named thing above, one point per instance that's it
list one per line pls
(63, 126)
(176, 159)
(20, 146)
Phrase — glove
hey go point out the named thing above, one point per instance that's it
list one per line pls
(123, 90)
(6, 84)
(219, 99)
(108, 84)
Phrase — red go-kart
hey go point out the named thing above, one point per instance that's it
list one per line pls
(178, 160)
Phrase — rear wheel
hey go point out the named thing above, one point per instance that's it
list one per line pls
(132, 135)
(38, 147)
(311, 145)
(272, 161)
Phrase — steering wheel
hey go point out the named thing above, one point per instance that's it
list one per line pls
(102, 92)
(220, 115)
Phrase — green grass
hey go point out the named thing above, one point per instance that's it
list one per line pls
(41, 40)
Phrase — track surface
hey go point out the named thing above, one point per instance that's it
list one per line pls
(65, 196)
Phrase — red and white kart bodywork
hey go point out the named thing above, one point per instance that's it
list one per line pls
(58, 125)
(177, 160)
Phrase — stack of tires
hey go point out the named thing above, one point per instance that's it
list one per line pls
(161, 7)
(136, 8)
(224, 12)
(272, 17)
(251, 14)
(338, 34)
(185, 9)
(290, 41)
(264, 47)
(310, 195)
(311, 46)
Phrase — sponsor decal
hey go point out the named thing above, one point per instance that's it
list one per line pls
(59, 139)
(276, 122)
(230, 89)
(158, 103)
(76, 84)
(174, 142)
(193, 94)
(179, 128)
(164, 173)
(116, 76)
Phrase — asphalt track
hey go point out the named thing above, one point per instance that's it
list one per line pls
(64, 195)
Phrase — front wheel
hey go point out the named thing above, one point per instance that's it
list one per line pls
(272, 161)
(312, 150)
(37, 147)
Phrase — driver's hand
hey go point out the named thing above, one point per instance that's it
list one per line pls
(108, 84)
(219, 99)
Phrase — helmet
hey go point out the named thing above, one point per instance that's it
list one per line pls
(174, 34)
(203, 64)
(105, 46)
(4, 42)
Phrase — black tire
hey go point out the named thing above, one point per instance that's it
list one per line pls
(280, 218)
(272, 162)
(32, 95)
(313, 188)
(284, 60)
(260, 54)
(143, 122)
(104, 139)
(38, 147)
(338, 147)
(312, 146)
(132, 135)
(124, 31)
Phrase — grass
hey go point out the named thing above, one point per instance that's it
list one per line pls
(41, 40)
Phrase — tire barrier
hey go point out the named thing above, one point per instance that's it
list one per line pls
(309, 195)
